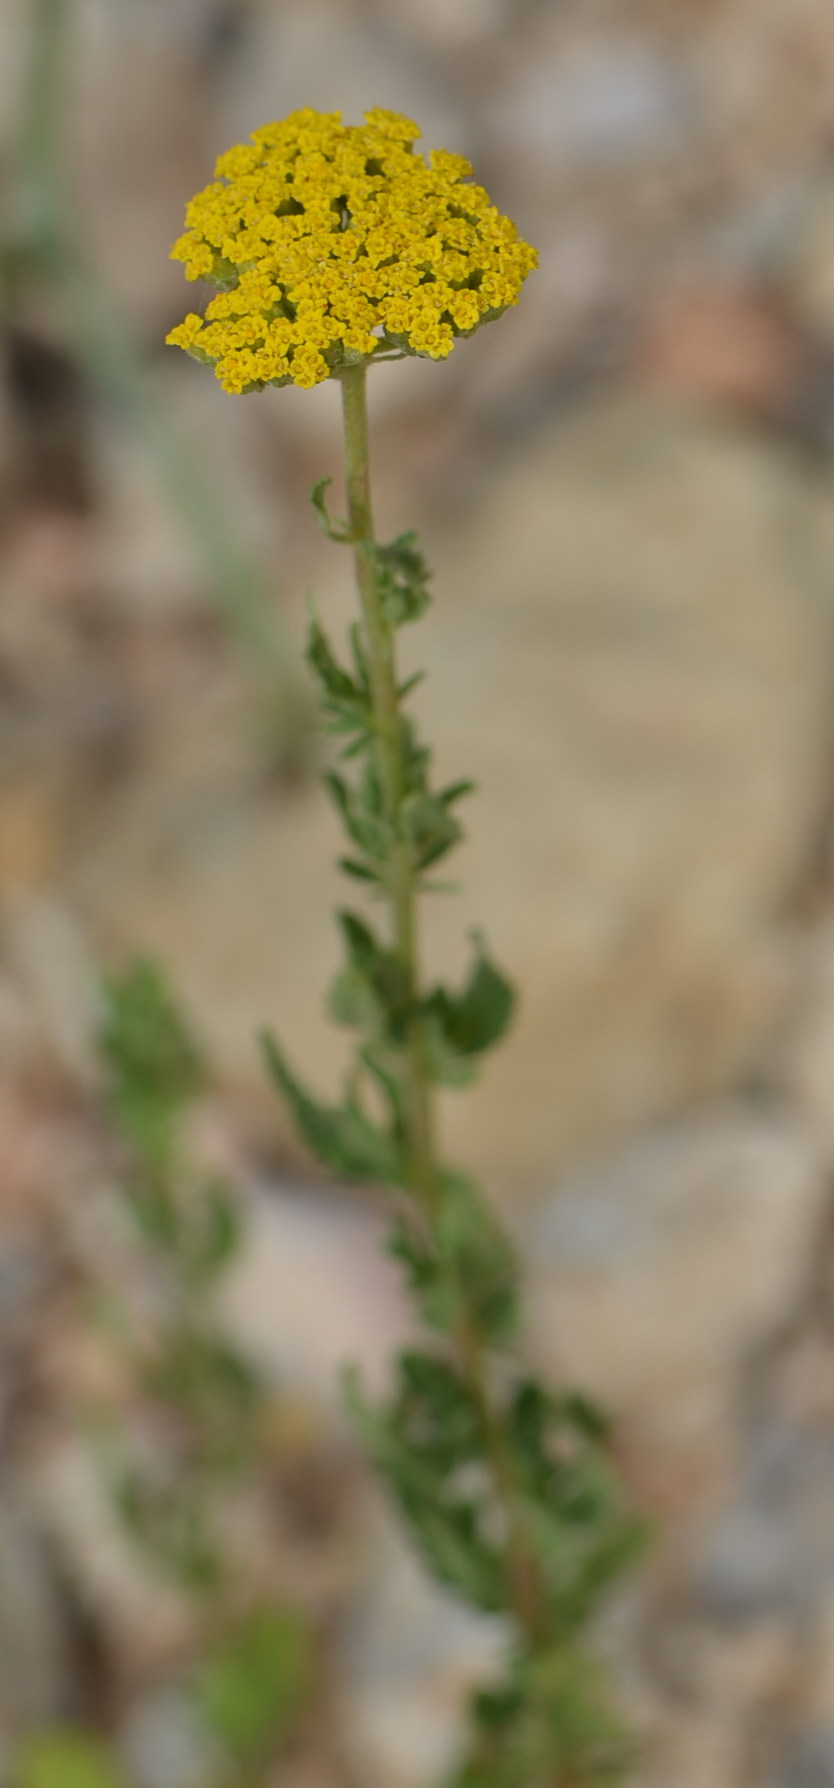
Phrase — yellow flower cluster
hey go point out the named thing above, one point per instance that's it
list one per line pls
(334, 243)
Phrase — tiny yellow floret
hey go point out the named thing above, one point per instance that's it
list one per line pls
(333, 244)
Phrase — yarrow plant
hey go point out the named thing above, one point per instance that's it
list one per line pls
(335, 247)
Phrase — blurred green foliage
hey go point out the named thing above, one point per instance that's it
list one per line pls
(66, 1758)
(187, 1227)
(250, 1686)
(252, 1670)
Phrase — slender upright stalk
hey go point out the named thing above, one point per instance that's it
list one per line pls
(391, 767)
(523, 1584)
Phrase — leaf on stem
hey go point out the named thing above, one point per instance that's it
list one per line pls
(340, 1136)
(423, 1444)
(371, 992)
(346, 700)
(403, 579)
(553, 1719)
(154, 1067)
(473, 1020)
(464, 1270)
(338, 531)
(429, 827)
(369, 830)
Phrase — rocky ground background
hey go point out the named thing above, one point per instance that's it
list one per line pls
(628, 492)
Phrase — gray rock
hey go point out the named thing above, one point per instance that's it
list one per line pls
(602, 102)
(810, 1764)
(656, 1272)
(313, 1290)
(754, 1565)
(165, 1745)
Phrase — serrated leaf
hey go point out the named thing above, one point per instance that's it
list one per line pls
(371, 831)
(339, 792)
(215, 1236)
(346, 701)
(197, 1229)
(372, 992)
(444, 1062)
(464, 1269)
(153, 1064)
(414, 1444)
(320, 657)
(402, 579)
(338, 531)
(340, 1136)
(575, 1511)
(429, 827)
(361, 872)
(386, 1080)
(552, 1720)
(352, 1000)
(456, 791)
(473, 1020)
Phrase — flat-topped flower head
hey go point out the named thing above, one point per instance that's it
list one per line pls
(332, 244)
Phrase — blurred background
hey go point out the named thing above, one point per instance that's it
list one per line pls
(627, 491)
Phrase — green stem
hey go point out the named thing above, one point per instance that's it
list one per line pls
(391, 768)
(523, 1580)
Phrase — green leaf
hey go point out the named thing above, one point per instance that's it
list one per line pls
(464, 1269)
(170, 1526)
(473, 1020)
(197, 1228)
(575, 1510)
(372, 992)
(416, 761)
(352, 1000)
(341, 1137)
(204, 1377)
(153, 1064)
(417, 1444)
(429, 827)
(345, 699)
(445, 1063)
(371, 1055)
(552, 1720)
(361, 872)
(252, 1688)
(214, 1234)
(403, 579)
(338, 531)
(456, 791)
(66, 1758)
(155, 1212)
(373, 834)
